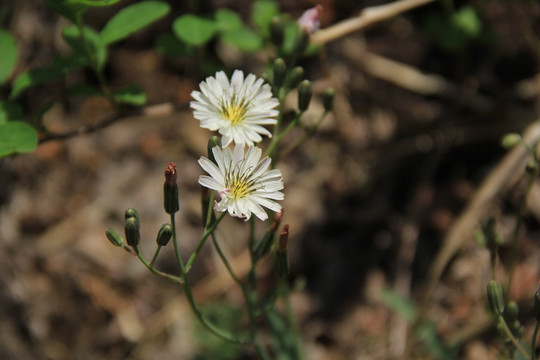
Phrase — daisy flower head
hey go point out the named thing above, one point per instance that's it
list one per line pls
(243, 182)
(238, 108)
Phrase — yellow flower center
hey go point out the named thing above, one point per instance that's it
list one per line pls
(235, 111)
(239, 189)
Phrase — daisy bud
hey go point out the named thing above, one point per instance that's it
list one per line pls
(310, 21)
(132, 213)
(297, 74)
(132, 230)
(282, 257)
(510, 140)
(301, 42)
(495, 297)
(115, 238)
(164, 235)
(170, 190)
(304, 95)
(277, 31)
(328, 99)
(213, 142)
(205, 202)
(280, 71)
(531, 167)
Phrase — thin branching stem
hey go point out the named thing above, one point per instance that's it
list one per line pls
(222, 334)
(512, 338)
(150, 267)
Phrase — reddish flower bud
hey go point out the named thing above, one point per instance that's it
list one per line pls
(283, 239)
(171, 174)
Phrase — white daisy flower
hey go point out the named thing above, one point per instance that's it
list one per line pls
(242, 181)
(238, 109)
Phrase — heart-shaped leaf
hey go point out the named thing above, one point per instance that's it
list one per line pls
(194, 30)
(17, 137)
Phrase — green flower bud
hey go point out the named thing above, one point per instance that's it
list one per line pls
(531, 167)
(164, 235)
(212, 143)
(301, 42)
(115, 238)
(205, 202)
(304, 95)
(282, 256)
(131, 212)
(510, 140)
(511, 312)
(495, 297)
(277, 31)
(297, 75)
(328, 99)
(132, 231)
(170, 190)
(280, 71)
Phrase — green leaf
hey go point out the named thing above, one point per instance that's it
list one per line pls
(132, 95)
(17, 136)
(262, 13)
(244, 39)
(8, 57)
(290, 34)
(71, 11)
(227, 20)
(84, 90)
(131, 19)
(33, 78)
(87, 46)
(65, 63)
(466, 19)
(168, 44)
(194, 30)
(10, 112)
(402, 306)
(94, 3)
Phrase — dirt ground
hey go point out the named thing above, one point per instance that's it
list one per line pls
(372, 199)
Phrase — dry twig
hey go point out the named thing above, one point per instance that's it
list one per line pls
(368, 16)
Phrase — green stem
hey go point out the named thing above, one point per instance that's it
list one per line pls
(533, 340)
(295, 332)
(95, 67)
(519, 222)
(249, 303)
(155, 255)
(271, 151)
(207, 232)
(512, 337)
(189, 295)
(154, 270)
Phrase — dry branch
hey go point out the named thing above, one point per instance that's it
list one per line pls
(368, 16)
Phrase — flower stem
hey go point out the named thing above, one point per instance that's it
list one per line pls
(189, 295)
(294, 331)
(512, 337)
(207, 232)
(154, 270)
(519, 219)
(155, 255)
(533, 340)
